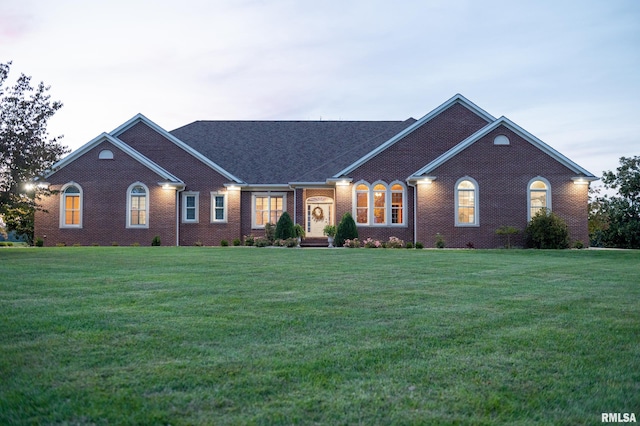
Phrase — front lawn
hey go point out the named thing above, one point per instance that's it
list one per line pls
(194, 335)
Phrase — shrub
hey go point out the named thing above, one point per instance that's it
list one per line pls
(224, 243)
(507, 231)
(261, 242)
(39, 242)
(198, 243)
(6, 244)
(291, 242)
(578, 244)
(284, 227)
(394, 242)
(547, 230)
(330, 230)
(95, 245)
(115, 244)
(156, 241)
(347, 230)
(132, 244)
(439, 241)
(409, 245)
(419, 245)
(371, 243)
(236, 242)
(249, 240)
(61, 244)
(355, 243)
(470, 245)
(270, 232)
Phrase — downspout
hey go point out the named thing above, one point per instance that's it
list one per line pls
(178, 191)
(415, 213)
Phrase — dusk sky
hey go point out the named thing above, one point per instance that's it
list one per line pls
(566, 71)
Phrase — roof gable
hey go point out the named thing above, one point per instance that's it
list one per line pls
(457, 99)
(279, 152)
(502, 121)
(160, 171)
(139, 118)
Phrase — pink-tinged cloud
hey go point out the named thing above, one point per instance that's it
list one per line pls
(13, 26)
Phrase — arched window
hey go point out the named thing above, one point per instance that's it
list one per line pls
(138, 206)
(362, 204)
(539, 196)
(71, 206)
(379, 204)
(467, 202)
(397, 204)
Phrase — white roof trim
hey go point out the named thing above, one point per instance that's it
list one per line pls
(502, 121)
(120, 145)
(141, 118)
(456, 99)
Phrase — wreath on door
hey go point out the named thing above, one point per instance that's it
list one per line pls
(318, 214)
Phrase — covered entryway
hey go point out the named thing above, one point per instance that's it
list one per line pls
(319, 213)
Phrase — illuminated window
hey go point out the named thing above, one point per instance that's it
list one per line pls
(397, 204)
(267, 208)
(71, 206)
(362, 204)
(218, 207)
(387, 204)
(379, 203)
(137, 206)
(539, 196)
(466, 202)
(190, 202)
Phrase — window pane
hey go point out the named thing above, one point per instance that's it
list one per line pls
(396, 207)
(219, 214)
(219, 201)
(138, 190)
(466, 215)
(465, 184)
(191, 214)
(379, 187)
(362, 187)
(396, 187)
(72, 190)
(538, 185)
(191, 201)
(362, 200)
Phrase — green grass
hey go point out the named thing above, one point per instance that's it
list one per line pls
(163, 335)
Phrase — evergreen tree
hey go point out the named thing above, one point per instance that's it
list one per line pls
(347, 230)
(284, 227)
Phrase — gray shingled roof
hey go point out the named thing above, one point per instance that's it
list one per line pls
(279, 152)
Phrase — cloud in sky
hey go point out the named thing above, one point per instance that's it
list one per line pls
(565, 71)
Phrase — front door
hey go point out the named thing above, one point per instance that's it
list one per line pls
(319, 214)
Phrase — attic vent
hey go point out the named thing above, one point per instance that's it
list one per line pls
(501, 140)
(105, 154)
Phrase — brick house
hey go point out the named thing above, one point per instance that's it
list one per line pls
(457, 171)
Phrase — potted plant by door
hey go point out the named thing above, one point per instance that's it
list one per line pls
(299, 233)
(330, 232)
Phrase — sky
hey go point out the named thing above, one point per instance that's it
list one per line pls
(566, 71)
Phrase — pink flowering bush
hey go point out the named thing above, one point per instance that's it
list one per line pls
(371, 243)
(355, 243)
(394, 242)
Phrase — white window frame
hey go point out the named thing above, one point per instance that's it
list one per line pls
(404, 203)
(529, 191)
(355, 202)
(196, 196)
(476, 204)
(214, 208)
(269, 194)
(147, 202)
(388, 205)
(63, 209)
